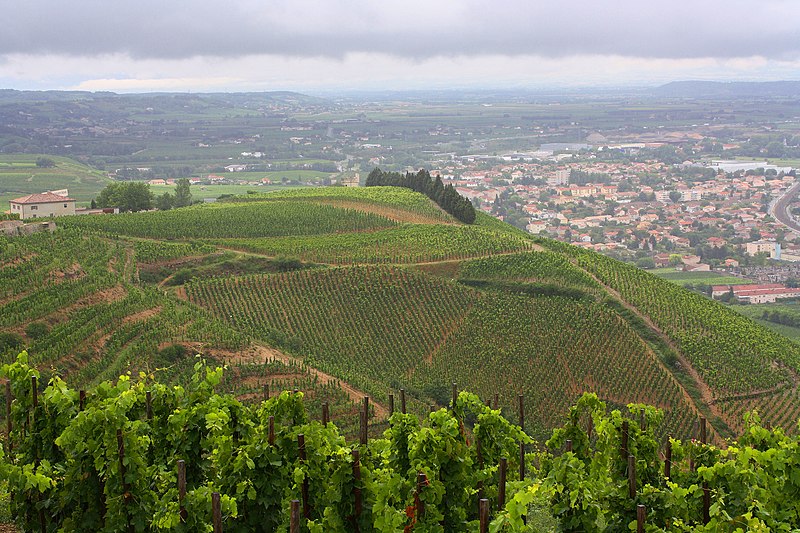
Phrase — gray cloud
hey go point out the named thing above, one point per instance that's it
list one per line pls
(417, 29)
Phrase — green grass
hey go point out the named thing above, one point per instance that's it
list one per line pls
(707, 278)
(756, 311)
(19, 176)
(215, 191)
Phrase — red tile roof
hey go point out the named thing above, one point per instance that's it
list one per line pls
(42, 198)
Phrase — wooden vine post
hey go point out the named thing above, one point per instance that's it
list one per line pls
(148, 400)
(294, 523)
(9, 399)
(403, 401)
(668, 460)
(271, 435)
(631, 477)
(357, 501)
(422, 480)
(623, 446)
(391, 404)
(301, 445)
(501, 487)
(34, 394)
(641, 515)
(325, 414)
(126, 489)
(182, 489)
(365, 421)
(483, 506)
(216, 512)
(480, 466)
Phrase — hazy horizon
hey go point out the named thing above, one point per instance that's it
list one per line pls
(307, 45)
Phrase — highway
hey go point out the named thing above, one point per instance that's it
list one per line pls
(780, 208)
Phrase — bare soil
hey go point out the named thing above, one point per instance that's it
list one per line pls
(257, 354)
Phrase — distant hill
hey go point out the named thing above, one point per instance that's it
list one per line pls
(370, 290)
(709, 89)
(20, 176)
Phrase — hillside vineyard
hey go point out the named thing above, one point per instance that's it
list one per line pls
(316, 299)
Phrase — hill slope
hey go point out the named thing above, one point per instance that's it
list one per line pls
(19, 176)
(398, 296)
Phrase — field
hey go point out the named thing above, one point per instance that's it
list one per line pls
(379, 288)
(341, 294)
(215, 191)
(20, 176)
(696, 278)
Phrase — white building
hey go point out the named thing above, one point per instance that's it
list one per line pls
(43, 205)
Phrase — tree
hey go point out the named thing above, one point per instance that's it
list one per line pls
(45, 162)
(183, 196)
(674, 196)
(165, 202)
(130, 196)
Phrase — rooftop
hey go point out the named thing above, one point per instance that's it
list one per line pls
(42, 198)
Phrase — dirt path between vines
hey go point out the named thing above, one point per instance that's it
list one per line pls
(257, 353)
(702, 387)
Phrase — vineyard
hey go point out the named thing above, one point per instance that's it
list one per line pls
(138, 456)
(250, 220)
(735, 356)
(338, 293)
(395, 203)
(403, 244)
(377, 326)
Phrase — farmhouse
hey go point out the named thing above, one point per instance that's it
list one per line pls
(43, 205)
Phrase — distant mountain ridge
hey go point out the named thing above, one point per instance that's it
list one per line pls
(705, 89)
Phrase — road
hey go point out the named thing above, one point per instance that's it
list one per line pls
(780, 208)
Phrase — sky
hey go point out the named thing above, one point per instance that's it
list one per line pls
(340, 45)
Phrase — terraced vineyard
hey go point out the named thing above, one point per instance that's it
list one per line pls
(379, 326)
(360, 291)
(396, 203)
(404, 244)
(251, 220)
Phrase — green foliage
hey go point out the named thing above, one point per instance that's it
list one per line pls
(108, 466)
(731, 353)
(528, 266)
(445, 196)
(9, 341)
(249, 220)
(183, 193)
(36, 330)
(127, 196)
(408, 243)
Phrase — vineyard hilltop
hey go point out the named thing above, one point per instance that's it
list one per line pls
(345, 292)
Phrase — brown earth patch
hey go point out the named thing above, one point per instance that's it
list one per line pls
(392, 213)
(111, 294)
(257, 354)
(74, 271)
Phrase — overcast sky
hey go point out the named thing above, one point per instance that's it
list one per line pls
(308, 45)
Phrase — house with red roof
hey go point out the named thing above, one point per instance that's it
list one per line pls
(43, 205)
